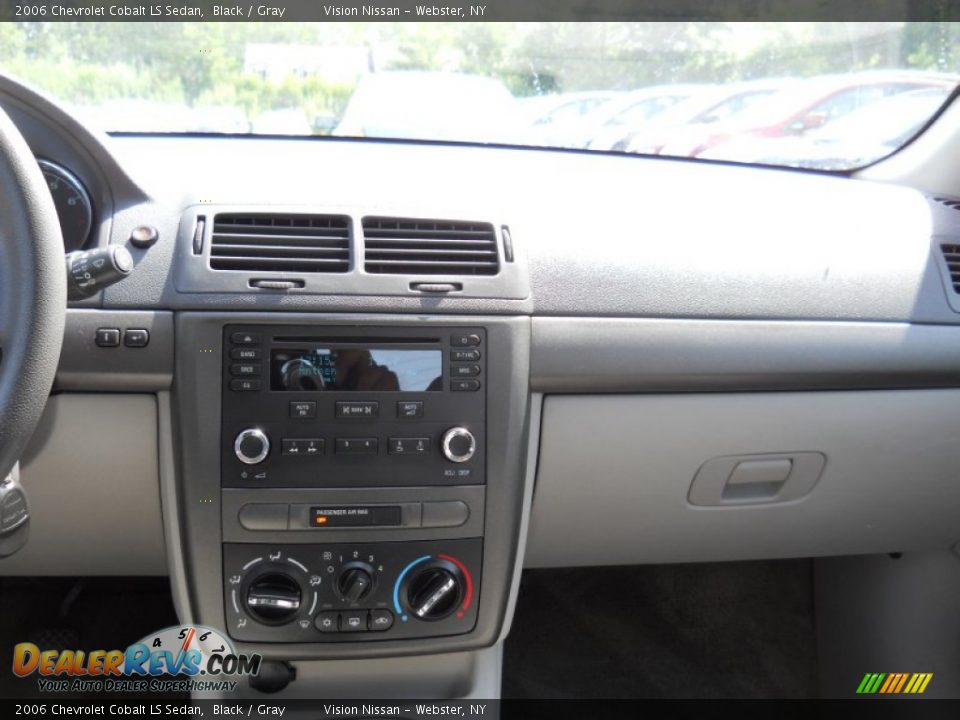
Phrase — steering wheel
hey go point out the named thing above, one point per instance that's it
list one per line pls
(33, 294)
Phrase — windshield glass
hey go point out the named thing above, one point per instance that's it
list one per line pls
(748, 92)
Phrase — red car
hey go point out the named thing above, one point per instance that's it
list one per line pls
(807, 106)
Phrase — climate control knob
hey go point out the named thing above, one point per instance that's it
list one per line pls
(435, 591)
(355, 582)
(251, 446)
(273, 598)
(458, 444)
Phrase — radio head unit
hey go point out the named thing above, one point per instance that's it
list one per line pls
(348, 406)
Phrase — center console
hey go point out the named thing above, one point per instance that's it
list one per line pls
(351, 486)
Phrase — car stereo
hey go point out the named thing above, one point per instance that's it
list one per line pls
(345, 407)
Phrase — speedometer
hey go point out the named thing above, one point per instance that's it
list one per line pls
(74, 207)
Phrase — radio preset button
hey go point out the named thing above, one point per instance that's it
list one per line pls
(245, 369)
(303, 410)
(464, 355)
(464, 385)
(244, 385)
(410, 410)
(357, 409)
(302, 446)
(464, 340)
(246, 338)
(245, 354)
(464, 370)
(357, 446)
(408, 446)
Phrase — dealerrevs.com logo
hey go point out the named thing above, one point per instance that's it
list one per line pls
(188, 658)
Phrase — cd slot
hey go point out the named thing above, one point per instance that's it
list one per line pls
(366, 339)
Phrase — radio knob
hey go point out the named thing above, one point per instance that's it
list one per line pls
(458, 444)
(251, 446)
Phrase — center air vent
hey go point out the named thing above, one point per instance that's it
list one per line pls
(281, 243)
(429, 247)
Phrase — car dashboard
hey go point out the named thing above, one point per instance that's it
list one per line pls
(351, 388)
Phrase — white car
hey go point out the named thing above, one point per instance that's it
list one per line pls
(417, 105)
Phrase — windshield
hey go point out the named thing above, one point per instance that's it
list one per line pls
(727, 90)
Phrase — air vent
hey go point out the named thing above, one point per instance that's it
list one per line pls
(281, 243)
(429, 247)
(951, 255)
(950, 203)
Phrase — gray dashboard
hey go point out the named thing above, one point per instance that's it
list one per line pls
(643, 280)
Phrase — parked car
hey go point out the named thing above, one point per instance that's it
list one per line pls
(435, 106)
(562, 108)
(613, 119)
(804, 107)
(714, 105)
(858, 138)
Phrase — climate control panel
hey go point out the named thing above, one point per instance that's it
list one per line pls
(351, 592)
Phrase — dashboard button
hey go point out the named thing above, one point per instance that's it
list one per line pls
(303, 410)
(136, 337)
(244, 385)
(380, 620)
(408, 446)
(246, 338)
(302, 446)
(246, 354)
(353, 621)
(460, 371)
(108, 337)
(464, 340)
(245, 369)
(464, 355)
(353, 409)
(357, 446)
(410, 410)
(327, 622)
(464, 385)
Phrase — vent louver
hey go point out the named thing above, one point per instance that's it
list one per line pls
(951, 255)
(950, 203)
(280, 243)
(429, 247)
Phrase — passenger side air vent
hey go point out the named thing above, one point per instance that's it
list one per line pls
(281, 243)
(951, 255)
(429, 247)
(950, 203)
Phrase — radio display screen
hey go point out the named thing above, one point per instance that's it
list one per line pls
(359, 369)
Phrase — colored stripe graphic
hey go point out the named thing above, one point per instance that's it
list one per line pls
(894, 683)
